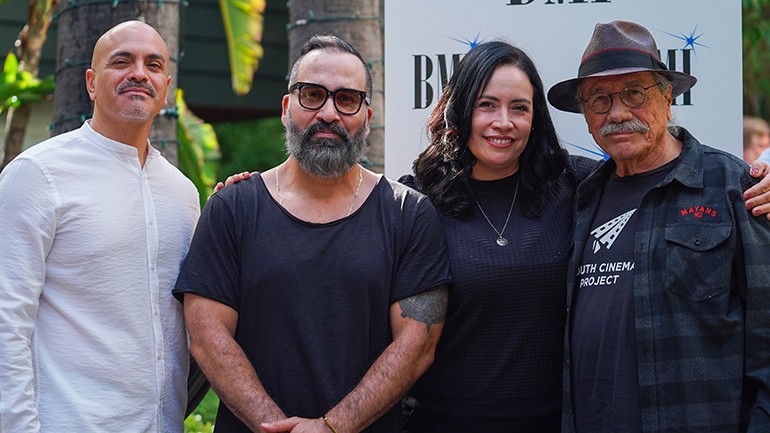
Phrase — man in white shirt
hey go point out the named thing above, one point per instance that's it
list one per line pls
(95, 224)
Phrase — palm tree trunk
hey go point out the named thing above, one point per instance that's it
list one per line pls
(79, 27)
(15, 126)
(360, 23)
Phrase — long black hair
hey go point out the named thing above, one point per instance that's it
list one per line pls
(443, 168)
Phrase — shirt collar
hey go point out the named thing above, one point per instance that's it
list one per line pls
(116, 146)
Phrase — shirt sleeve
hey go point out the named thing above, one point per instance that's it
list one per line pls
(583, 166)
(424, 263)
(212, 266)
(28, 224)
(754, 233)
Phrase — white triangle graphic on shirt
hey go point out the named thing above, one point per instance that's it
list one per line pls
(606, 233)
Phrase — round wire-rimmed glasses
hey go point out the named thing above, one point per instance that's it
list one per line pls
(633, 96)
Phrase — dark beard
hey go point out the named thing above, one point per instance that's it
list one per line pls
(324, 157)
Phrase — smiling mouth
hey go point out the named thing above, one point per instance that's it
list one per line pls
(136, 90)
(500, 141)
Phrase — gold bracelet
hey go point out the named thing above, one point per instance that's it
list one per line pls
(329, 424)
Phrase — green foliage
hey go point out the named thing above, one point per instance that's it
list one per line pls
(243, 22)
(198, 149)
(250, 145)
(203, 417)
(21, 87)
(756, 57)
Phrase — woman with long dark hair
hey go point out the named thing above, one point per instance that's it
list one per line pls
(503, 186)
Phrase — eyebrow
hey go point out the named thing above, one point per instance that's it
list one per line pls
(601, 87)
(496, 99)
(153, 56)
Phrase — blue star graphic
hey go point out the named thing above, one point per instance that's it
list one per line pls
(689, 41)
(470, 43)
(598, 152)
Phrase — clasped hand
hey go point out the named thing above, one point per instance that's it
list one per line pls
(296, 424)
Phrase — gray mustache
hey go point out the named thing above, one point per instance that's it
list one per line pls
(623, 127)
(136, 84)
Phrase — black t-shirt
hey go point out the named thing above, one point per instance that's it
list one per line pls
(313, 299)
(499, 364)
(603, 332)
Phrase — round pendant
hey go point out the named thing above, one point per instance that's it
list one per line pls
(502, 241)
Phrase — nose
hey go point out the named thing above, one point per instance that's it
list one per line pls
(138, 72)
(328, 112)
(503, 119)
(619, 111)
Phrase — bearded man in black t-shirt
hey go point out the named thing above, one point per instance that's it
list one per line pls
(315, 292)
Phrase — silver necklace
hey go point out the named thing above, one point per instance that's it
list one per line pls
(352, 202)
(501, 240)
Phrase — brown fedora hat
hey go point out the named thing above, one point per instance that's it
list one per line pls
(616, 48)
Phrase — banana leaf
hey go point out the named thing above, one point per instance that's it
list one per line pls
(243, 22)
(198, 149)
(18, 88)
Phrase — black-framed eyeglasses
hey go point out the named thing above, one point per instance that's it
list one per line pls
(632, 96)
(314, 96)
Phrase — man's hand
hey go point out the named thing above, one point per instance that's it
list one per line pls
(758, 196)
(235, 178)
(296, 424)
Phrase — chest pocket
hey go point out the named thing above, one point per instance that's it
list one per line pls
(699, 260)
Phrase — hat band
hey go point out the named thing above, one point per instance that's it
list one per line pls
(619, 59)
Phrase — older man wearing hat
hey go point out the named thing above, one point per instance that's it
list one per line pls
(668, 325)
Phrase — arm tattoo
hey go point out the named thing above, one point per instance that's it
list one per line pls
(428, 307)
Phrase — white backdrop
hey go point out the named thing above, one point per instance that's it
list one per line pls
(426, 34)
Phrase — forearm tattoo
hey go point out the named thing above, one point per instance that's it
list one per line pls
(428, 307)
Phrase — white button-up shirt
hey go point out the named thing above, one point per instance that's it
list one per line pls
(91, 339)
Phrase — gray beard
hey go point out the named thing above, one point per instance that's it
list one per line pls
(324, 157)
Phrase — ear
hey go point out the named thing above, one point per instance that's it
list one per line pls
(91, 83)
(165, 97)
(369, 113)
(669, 95)
(588, 124)
(284, 108)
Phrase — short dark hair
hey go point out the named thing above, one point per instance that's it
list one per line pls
(334, 44)
(443, 168)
